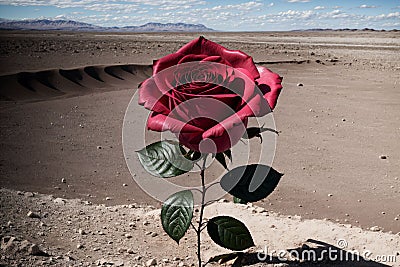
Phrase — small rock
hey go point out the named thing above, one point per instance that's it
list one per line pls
(130, 251)
(154, 234)
(176, 259)
(31, 214)
(137, 258)
(121, 250)
(181, 264)
(82, 232)
(343, 119)
(29, 194)
(375, 229)
(128, 235)
(108, 198)
(383, 157)
(330, 195)
(34, 250)
(222, 200)
(63, 180)
(96, 249)
(260, 210)
(102, 262)
(146, 223)
(124, 185)
(99, 147)
(59, 201)
(8, 243)
(79, 246)
(299, 84)
(119, 262)
(396, 219)
(151, 262)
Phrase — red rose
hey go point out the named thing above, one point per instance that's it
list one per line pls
(204, 93)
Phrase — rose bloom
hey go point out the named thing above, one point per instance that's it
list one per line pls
(205, 93)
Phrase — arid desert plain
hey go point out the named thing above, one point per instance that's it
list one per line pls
(63, 97)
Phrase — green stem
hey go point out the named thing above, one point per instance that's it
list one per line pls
(203, 195)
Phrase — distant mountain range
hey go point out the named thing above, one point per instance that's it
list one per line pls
(344, 30)
(70, 25)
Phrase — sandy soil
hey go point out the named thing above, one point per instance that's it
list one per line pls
(65, 94)
(72, 232)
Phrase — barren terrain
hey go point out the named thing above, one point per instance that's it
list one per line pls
(64, 96)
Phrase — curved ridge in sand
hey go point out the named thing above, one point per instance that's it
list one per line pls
(45, 84)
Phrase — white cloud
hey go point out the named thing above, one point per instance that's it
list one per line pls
(243, 6)
(394, 15)
(242, 15)
(366, 6)
(335, 14)
(123, 6)
(296, 14)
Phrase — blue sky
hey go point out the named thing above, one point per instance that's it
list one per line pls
(234, 15)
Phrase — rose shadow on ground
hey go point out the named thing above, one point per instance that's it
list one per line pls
(320, 249)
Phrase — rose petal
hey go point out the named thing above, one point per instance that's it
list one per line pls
(214, 110)
(153, 99)
(190, 58)
(160, 123)
(257, 106)
(270, 84)
(236, 58)
(166, 62)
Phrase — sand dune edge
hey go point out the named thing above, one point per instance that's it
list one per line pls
(46, 84)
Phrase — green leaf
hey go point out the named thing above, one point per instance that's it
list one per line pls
(221, 159)
(239, 201)
(229, 233)
(164, 159)
(177, 213)
(251, 183)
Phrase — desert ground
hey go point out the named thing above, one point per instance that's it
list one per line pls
(63, 98)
